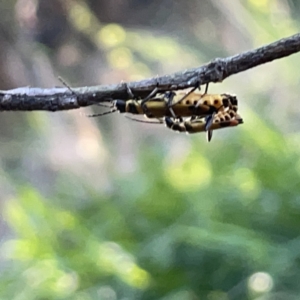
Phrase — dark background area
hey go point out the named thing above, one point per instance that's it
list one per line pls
(106, 208)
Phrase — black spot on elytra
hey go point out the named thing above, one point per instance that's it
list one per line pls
(132, 108)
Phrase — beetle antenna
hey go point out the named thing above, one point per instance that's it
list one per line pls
(67, 85)
(141, 121)
(102, 114)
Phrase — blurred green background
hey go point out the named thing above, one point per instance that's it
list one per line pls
(106, 208)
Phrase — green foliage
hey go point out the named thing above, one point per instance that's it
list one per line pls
(152, 237)
(153, 214)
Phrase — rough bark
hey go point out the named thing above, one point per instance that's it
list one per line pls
(56, 99)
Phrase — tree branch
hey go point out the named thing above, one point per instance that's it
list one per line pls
(56, 99)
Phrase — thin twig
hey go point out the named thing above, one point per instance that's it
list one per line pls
(56, 99)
